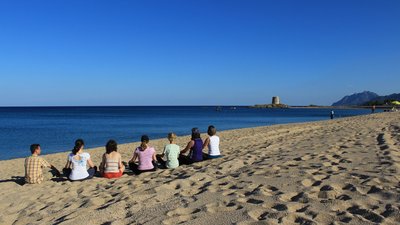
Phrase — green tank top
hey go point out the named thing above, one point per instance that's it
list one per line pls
(171, 152)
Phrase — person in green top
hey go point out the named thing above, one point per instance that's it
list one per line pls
(171, 153)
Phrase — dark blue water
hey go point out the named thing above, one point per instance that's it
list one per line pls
(56, 128)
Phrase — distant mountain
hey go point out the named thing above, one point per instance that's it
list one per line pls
(387, 97)
(382, 100)
(356, 99)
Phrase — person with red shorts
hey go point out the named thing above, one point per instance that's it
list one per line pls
(111, 165)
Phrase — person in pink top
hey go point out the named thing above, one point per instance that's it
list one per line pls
(146, 156)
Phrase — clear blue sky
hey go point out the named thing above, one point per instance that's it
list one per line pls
(196, 52)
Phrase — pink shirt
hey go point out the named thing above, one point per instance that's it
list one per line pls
(145, 158)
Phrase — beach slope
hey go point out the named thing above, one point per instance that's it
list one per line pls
(343, 171)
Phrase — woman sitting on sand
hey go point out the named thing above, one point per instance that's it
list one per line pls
(212, 142)
(111, 165)
(78, 161)
(171, 152)
(195, 146)
(146, 156)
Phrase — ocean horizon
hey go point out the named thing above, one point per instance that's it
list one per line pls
(56, 128)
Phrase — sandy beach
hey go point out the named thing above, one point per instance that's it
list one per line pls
(342, 171)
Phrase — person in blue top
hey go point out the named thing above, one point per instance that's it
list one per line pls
(195, 148)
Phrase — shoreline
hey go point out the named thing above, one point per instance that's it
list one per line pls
(344, 170)
(133, 145)
(341, 107)
(54, 148)
(185, 137)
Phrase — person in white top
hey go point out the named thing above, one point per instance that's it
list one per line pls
(212, 142)
(75, 168)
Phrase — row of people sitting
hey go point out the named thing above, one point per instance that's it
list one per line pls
(144, 158)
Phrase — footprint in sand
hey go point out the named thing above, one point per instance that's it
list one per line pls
(303, 209)
(391, 211)
(307, 182)
(272, 188)
(280, 207)
(317, 176)
(222, 206)
(291, 163)
(287, 196)
(328, 192)
(366, 214)
(344, 197)
(304, 221)
(349, 187)
(345, 161)
(179, 219)
(181, 215)
(295, 197)
(255, 201)
(327, 164)
(261, 216)
(188, 193)
(260, 190)
(301, 198)
(293, 207)
(258, 214)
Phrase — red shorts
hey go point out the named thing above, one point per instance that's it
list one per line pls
(112, 175)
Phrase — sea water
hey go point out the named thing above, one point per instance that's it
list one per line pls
(56, 128)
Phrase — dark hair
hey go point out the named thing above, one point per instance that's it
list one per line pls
(144, 139)
(211, 130)
(111, 146)
(195, 133)
(78, 145)
(34, 147)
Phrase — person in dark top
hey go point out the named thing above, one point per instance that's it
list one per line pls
(195, 148)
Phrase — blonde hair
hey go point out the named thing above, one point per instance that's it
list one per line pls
(171, 136)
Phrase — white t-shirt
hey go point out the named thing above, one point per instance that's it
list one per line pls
(213, 146)
(79, 170)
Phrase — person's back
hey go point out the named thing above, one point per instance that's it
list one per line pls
(213, 146)
(78, 162)
(172, 153)
(75, 168)
(33, 169)
(196, 152)
(112, 162)
(145, 158)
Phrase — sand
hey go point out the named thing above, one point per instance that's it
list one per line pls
(342, 171)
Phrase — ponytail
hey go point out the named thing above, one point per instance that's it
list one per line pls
(145, 139)
(195, 133)
(143, 145)
(78, 145)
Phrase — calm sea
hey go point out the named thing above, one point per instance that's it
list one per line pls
(56, 128)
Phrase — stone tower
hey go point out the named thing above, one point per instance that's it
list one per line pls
(275, 100)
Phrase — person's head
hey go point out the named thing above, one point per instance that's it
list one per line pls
(195, 133)
(172, 137)
(78, 146)
(111, 146)
(35, 149)
(145, 140)
(211, 130)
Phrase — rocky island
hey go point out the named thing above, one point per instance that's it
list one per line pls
(275, 104)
